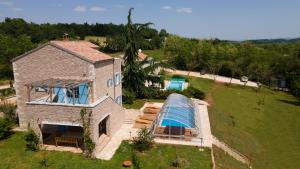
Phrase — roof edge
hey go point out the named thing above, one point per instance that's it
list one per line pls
(29, 52)
(58, 47)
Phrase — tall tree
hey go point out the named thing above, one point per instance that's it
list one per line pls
(133, 72)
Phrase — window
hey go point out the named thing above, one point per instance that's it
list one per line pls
(117, 79)
(109, 82)
(119, 100)
(74, 90)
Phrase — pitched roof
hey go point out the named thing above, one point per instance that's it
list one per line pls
(82, 49)
(142, 55)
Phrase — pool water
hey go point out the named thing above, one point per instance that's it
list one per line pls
(179, 117)
(167, 122)
(176, 84)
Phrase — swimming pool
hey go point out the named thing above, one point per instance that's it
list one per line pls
(178, 111)
(176, 84)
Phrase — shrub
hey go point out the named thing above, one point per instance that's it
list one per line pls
(5, 127)
(128, 97)
(178, 77)
(7, 92)
(295, 87)
(135, 161)
(144, 141)
(32, 140)
(179, 162)
(89, 145)
(9, 111)
(194, 92)
(44, 163)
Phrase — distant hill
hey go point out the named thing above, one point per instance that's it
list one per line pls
(270, 41)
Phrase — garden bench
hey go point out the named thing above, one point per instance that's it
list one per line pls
(68, 140)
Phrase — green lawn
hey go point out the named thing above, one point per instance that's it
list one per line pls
(139, 103)
(224, 161)
(266, 132)
(100, 39)
(13, 155)
(157, 54)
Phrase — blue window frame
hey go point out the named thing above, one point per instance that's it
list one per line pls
(117, 79)
(119, 100)
(109, 82)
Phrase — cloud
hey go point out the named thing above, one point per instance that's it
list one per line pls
(166, 7)
(184, 10)
(80, 8)
(97, 8)
(6, 3)
(17, 9)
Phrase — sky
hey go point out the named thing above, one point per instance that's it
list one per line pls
(223, 19)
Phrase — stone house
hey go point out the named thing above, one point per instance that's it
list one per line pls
(55, 81)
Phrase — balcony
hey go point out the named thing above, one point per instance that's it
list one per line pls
(61, 92)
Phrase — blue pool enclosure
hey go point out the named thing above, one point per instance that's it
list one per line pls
(176, 83)
(178, 116)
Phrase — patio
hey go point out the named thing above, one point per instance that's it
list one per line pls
(56, 137)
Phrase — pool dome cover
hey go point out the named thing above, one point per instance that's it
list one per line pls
(178, 111)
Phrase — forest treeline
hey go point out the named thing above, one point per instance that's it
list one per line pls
(262, 62)
(18, 36)
(275, 64)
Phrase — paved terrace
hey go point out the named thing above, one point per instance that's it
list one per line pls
(126, 132)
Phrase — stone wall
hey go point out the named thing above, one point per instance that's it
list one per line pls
(105, 71)
(116, 115)
(45, 63)
(62, 113)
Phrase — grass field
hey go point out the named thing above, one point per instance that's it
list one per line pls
(14, 156)
(138, 103)
(100, 39)
(224, 161)
(262, 125)
(157, 54)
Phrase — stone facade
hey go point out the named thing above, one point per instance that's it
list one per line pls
(51, 62)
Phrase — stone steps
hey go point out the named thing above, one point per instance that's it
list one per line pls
(128, 121)
(102, 142)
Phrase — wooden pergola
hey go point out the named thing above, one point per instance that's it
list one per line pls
(60, 83)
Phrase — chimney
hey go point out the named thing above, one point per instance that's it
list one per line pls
(66, 37)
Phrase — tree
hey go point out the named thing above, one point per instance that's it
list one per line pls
(133, 72)
(11, 47)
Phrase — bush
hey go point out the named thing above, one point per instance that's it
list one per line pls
(32, 140)
(5, 127)
(144, 141)
(89, 145)
(7, 92)
(194, 92)
(295, 88)
(9, 111)
(128, 97)
(179, 162)
(135, 161)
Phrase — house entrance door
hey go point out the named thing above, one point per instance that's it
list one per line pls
(103, 126)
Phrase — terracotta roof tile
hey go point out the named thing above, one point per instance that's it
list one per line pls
(142, 56)
(84, 49)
